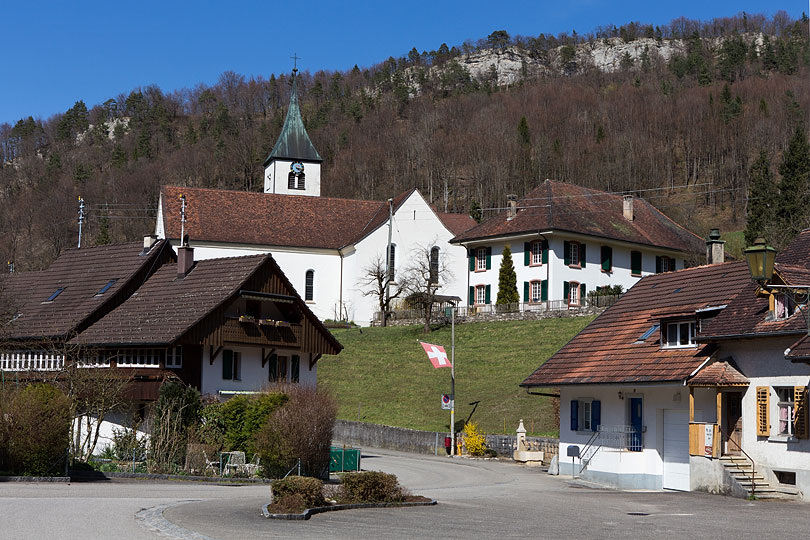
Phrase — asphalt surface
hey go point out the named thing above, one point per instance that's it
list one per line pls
(477, 500)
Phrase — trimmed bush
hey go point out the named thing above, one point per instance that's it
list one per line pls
(298, 490)
(243, 417)
(38, 430)
(301, 429)
(371, 487)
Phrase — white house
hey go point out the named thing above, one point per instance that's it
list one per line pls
(567, 241)
(324, 245)
(692, 380)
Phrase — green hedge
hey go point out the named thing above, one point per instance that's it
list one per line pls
(371, 487)
(309, 490)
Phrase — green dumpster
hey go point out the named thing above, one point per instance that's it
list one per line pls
(344, 459)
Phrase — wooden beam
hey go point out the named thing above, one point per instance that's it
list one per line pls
(266, 358)
(719, 406)
(691, 404)
(212, 354)
(313, 359)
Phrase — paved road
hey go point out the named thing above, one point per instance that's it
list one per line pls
(477, 499)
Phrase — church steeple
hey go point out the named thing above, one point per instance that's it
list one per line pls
(294, 165)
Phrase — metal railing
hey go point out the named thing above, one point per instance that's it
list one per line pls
(753, 465)
(618, 437)
(31, 361)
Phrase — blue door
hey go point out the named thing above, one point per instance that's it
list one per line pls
(634, 442)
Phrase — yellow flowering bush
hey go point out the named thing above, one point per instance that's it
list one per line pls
(474, 439)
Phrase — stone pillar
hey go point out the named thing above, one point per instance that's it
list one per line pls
(521, 437)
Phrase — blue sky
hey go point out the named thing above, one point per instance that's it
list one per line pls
(59, 52)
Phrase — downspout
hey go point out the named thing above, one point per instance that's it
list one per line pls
(340, 297)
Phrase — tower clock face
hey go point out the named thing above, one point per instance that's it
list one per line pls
(297, 167)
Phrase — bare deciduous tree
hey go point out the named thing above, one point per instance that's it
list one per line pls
(424, 277)
(375, 282)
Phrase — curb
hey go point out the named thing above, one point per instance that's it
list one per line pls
(309, 512)
(43, 479)
(177, 477)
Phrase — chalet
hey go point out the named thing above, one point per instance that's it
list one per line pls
(694, 380)
(567, 241)
(323, 244)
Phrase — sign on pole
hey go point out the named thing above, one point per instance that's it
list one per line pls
(447, 402)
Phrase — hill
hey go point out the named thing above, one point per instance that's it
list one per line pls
(383, 376)
(676, 113)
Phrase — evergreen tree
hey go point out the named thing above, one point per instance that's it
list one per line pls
(761, 200)
(792, 212)
(524, 135)
(103, 237)
(475, 211)
(507, 279)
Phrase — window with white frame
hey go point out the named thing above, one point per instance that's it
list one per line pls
(573, 294)
(481, 294)
(573, 253)
(679, 334)
(139, 357)
(537, 252)
(586, 414)
(174, 357)
(536, 291)
(785, 411)
(481, 258)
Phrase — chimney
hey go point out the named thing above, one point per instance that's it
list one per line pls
(715, 250)
(627, 208)
(148, 241)
(185, 260)
(511, 207)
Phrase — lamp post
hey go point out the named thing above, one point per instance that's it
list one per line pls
(761, 258)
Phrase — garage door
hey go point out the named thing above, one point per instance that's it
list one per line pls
(676, 450)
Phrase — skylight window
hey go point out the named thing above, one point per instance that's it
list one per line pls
(106, 287)
(56, 293)
(653, 329)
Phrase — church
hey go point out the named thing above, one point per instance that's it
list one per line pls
(324, 245)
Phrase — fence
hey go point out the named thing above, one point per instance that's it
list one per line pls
(518, 311)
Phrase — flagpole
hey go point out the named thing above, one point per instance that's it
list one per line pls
(453, 380)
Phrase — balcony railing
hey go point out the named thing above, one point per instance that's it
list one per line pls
(258, 332)
(31, 361)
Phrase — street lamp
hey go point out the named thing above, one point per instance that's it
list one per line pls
(760, 261)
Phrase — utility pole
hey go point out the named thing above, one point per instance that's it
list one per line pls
(81, 219)
(453, 380)
(389, 263)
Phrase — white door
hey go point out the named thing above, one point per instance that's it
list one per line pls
(676, 450)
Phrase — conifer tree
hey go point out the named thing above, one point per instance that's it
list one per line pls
(761, 200)
(792, 212)
(507, 279)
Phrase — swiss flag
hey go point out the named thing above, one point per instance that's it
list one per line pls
(437, 355)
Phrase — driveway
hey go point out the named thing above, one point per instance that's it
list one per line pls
(477, 499)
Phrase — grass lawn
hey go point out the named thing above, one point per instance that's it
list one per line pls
(383, 376)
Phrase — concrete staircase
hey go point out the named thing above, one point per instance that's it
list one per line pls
(742, 470)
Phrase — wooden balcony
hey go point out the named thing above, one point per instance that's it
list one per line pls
(257, 333)
(697, 439)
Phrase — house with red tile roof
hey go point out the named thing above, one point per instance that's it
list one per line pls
(692, 380)
(567, 241)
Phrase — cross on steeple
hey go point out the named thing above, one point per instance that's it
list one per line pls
(295, 58)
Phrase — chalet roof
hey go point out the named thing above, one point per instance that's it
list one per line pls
(610, 349)
(82, 274)
(166, 307)
(242, 217)
(293, 141)
(722, 373)
(556, 206)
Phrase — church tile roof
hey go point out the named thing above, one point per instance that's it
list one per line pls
(556, 206)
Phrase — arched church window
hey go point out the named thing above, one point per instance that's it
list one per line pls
(309, 286)
(291, 180)
(434, 264)
(301, 181)
(392, 262)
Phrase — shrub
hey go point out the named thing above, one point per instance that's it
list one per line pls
(126, 445)
(300, 429)
(177, 410)
(309, 490)
(371, 486)
(39, 430)
(474, 439)
(244, 416)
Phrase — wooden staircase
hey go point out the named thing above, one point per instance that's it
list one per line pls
(742, 470)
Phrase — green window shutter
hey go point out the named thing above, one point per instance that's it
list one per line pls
(527, 254)
(582, 255)
(566, 252)
(272, 375)
(657, 264)
(526, 291)
(544, 290)
(489, 258)
(672, 264)
(545, 252)
(486, 295)
(635, 262)
(227, 364)
(582, 291)
(472, 260)
(295, 368)
(472, 295)
(607, 258)
(566, 290)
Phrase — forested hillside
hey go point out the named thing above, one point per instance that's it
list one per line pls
(679, 115)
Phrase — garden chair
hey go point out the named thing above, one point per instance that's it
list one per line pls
(252, 468)
(236, 462)
(210, 464)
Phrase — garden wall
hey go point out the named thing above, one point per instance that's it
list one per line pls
(423, 442)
